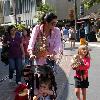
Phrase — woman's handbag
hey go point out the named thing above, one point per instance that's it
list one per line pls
(4, 54)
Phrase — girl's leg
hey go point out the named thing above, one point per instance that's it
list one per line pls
(74, 43)
(77, 92)
(83, 93)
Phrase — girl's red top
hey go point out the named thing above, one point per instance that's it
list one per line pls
(84, 67)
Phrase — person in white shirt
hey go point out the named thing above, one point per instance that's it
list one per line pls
(72, 37)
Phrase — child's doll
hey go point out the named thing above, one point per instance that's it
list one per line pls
(76, 62)
(21, 92)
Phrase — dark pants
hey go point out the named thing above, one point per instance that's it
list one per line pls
(15, 64)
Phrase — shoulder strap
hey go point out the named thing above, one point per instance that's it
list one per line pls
(39, 33)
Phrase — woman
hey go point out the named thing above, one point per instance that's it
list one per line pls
(15, 53)
(25, 39)
(72, 37)
(51, 35)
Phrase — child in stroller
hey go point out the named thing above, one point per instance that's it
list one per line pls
(45, 91)
(40, 74)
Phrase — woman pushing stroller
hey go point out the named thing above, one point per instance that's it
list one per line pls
(45, 40)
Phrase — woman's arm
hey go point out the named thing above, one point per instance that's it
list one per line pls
(58, 44)
(32, 40)
(22, 49)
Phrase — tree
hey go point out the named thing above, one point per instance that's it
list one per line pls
(89, 3)
(43, 9)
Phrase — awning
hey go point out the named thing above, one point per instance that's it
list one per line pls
(91, 16)
(7, 24)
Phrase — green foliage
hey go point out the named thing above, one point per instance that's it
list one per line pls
(20, 26)
(42, 9)
(89, 3)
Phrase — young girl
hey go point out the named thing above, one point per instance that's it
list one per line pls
(81, 66)
(45, 91)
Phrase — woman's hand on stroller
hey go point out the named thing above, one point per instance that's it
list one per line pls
(50, 57)
(55, 57)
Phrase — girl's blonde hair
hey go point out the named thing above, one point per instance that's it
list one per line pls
(84, 47)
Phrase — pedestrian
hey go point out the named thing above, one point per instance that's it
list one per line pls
(86, 27)
(65, 33)
(81, 67)
(51, 39)
(45, 41)
(15, 53)
(25, 40)
(72, 37)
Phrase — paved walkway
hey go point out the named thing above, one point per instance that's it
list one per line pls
(7, 90)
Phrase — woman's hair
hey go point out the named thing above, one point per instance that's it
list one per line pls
(48, 18)
(84, 47)
(9, 28)
(28, 31)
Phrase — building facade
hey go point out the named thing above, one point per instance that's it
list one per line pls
(1, 13)
(63, 8)
(19, 11)
(24, 11)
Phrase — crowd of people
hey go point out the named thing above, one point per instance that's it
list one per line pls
(44, 46)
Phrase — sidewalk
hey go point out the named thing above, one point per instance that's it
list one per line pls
(7, 89)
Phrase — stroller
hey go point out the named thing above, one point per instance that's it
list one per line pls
(34, 73)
